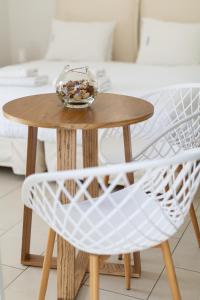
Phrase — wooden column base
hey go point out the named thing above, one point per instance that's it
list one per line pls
(33, 260)
(106, 268)
(115, 269)
(81, 266)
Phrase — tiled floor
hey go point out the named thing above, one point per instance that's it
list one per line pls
(21, 283)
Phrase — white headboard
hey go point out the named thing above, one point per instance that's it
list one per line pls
(124, 12)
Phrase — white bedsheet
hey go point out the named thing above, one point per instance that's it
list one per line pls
(129, 79)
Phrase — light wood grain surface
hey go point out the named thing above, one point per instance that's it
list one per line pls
(108, 110)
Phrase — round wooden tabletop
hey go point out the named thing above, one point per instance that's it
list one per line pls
(108, 110)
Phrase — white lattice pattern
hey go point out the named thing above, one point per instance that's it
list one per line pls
(185, 134)
(171, 104)
(118, 221)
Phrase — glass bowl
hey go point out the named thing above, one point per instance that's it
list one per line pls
(76, 87)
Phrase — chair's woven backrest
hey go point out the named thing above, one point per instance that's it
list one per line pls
(171, 104)
(134, 218)
(183, 135)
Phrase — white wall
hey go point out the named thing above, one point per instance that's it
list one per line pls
(29, 27)
(4, 34)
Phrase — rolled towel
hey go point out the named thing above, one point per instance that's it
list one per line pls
(17, 72)
(25, 82)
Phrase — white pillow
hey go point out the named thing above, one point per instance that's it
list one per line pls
(169, 43)
(81, 41)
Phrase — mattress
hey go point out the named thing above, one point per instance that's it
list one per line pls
(127, 78)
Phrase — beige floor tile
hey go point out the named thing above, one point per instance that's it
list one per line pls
(11, 242)
(104, 295)
(11, 208)
(188, 282)
(10, 247)
(1, 232)
(152, 265)
(26, 287)
(187, 253)
(8, 181)
(9, 274)
(180, 232)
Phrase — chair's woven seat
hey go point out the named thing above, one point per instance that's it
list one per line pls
(134, 223)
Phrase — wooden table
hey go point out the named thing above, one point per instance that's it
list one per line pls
(108, 110)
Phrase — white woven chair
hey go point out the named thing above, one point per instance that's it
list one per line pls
(171, 104)
(142, 215)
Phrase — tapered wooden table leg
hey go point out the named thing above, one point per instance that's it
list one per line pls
(127, 269)
(90, 155)
(128, 158)
(94, 277)
(66, 159)
(30, 169)
(195, 223)
(47, 264)
(171, 274)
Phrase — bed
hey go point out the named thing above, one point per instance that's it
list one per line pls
(126, 76)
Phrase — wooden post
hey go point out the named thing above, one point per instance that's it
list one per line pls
(30, 169)
(66, 159)
(170, 271)
(128, 158)
(195, 223)
(47, 264)
(94, 277)
(127, 268)
(90, 155)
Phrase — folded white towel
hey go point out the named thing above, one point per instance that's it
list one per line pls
(104, 84)
(17, 72)
(100, 73)
(25, 82)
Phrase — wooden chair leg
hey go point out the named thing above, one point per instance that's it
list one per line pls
(94, 277)
(47, 264)
(195, 223)
(171, 274)
(127, 268)
(120, 257)
(106, 180)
